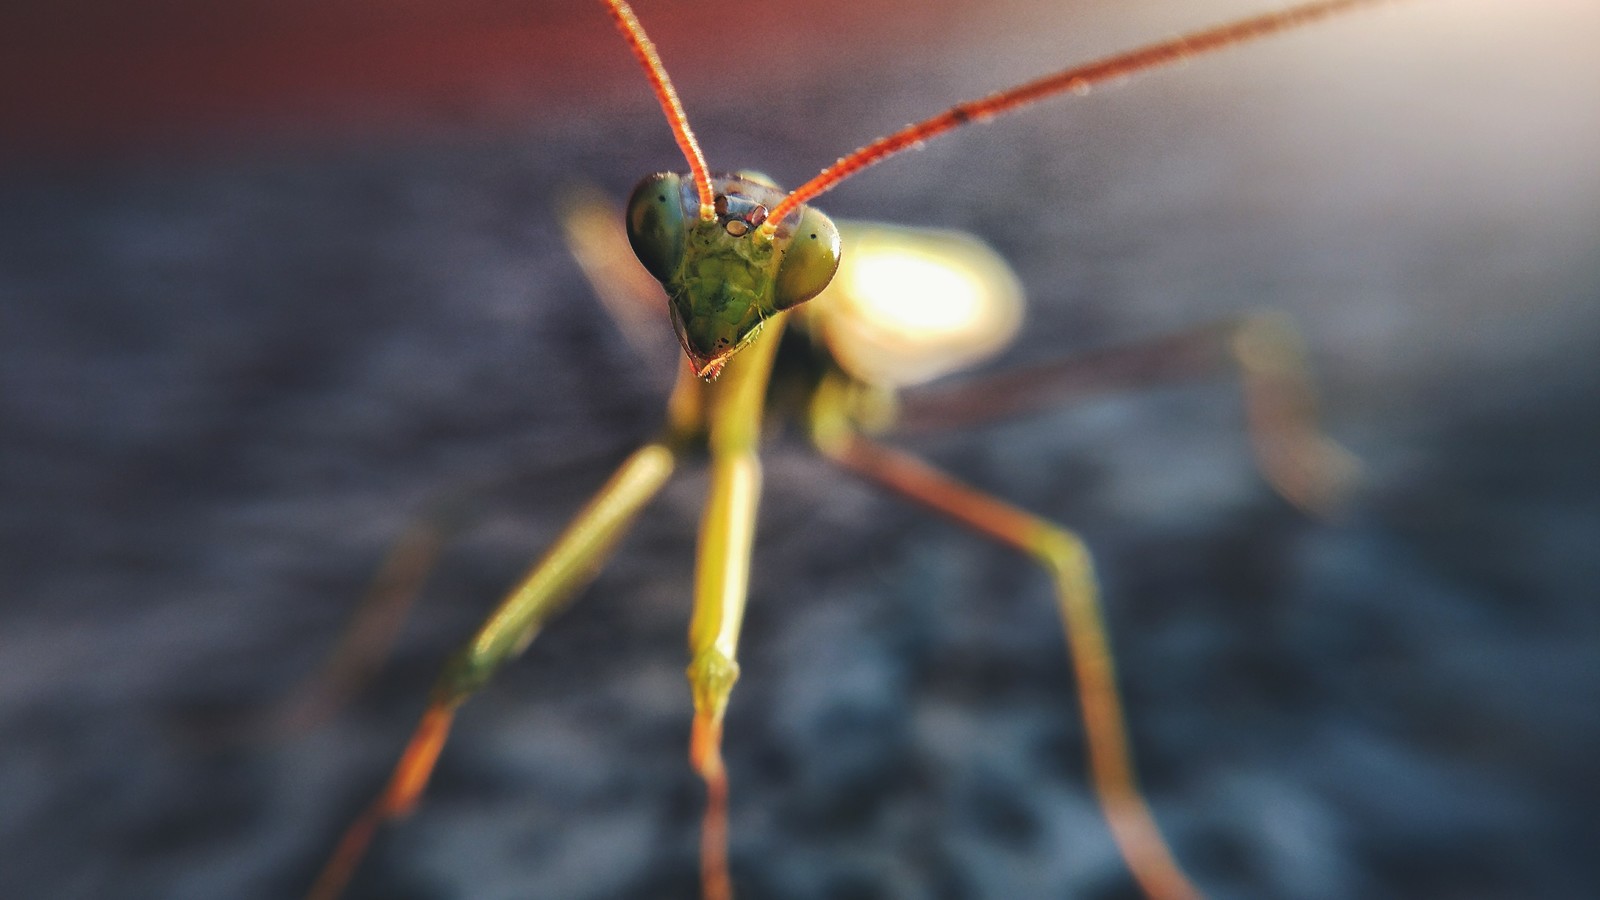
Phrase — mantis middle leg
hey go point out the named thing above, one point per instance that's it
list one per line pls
(1063, 555)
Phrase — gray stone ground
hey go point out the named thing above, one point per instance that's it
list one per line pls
(227, 380)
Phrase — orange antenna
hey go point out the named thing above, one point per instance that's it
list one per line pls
(1078, 79)
(628, 24)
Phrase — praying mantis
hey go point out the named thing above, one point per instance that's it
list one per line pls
(695, 233)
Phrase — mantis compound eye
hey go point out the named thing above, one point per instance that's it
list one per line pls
(809, 261)
(657, 215)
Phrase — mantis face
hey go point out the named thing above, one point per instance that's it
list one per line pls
(726, 275)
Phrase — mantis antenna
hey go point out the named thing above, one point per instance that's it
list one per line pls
(1078, 79)
(667, 96)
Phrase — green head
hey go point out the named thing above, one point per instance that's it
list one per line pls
(726, 275)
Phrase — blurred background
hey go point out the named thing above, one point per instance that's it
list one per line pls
(273, 275)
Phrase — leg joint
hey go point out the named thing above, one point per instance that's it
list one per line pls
(711, 677)
(1063, 553)
(465, 673)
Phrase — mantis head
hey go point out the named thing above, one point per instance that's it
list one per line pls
(727, 273)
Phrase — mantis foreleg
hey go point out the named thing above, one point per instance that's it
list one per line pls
(565, 568)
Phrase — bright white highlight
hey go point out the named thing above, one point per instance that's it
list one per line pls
(914, 293)
(909, 305)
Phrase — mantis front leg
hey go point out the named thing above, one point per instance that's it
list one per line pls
(566, 567)
(734, 405)
(727, 533)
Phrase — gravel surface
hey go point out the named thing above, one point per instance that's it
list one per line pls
(229, 379)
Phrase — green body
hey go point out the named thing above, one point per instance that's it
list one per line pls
(732, 291)
(731, 276)
(723, 290)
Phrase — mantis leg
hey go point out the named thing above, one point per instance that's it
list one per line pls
(592, 225)
(373, 628)
(733, 410)
(1301, 463)
(727, 533)
(565, 567)
(1064, 556)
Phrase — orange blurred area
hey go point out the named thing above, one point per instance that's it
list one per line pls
(87, 77)
(92, 78)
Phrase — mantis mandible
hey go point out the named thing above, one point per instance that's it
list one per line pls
(749, 272)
